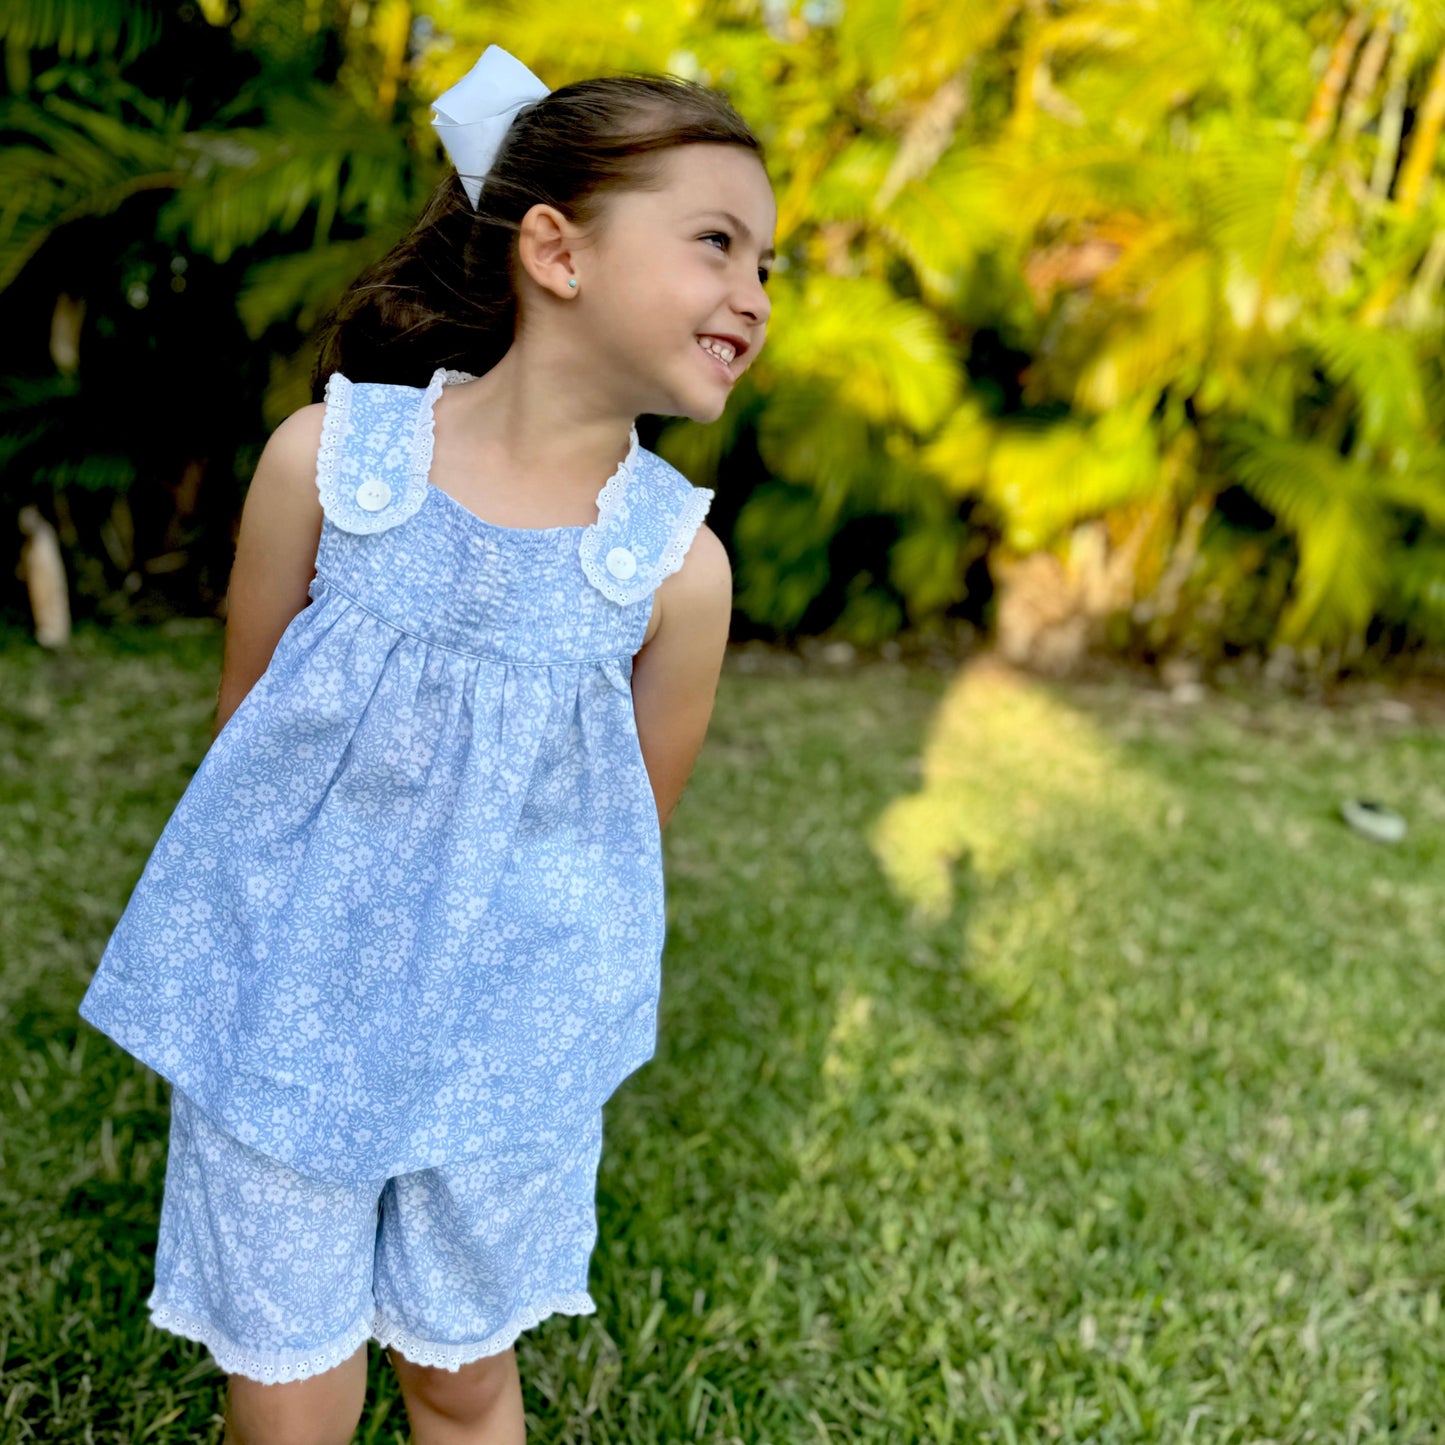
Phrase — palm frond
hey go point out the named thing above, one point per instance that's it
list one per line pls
(1135, 65)
(869, 34)
(1420, 488)
(1381, 367)
(1145, 349)
(1083, 183)
(1043, 479)
(1237, 179)
(73, 160)
(846, 188)
(927, 564)
(887, 356)
(94, 471)
(942, 222)
(958, 456)
(782, 546)
(1416, 595)
(1337, 523)
(78, 29)
(808, 437)
(303, 286)
(317, 154)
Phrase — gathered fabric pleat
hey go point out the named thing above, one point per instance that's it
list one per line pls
(381, 932)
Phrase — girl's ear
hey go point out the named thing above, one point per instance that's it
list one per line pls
(546, 248)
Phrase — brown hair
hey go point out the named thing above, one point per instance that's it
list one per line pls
(445, 295)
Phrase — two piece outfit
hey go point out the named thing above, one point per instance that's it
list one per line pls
(402, 936)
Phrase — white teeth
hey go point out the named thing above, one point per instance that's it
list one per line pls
(719, 349)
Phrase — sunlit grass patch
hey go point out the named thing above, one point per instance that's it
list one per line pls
(1007, 766)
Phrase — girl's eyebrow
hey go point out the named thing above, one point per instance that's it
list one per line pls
(746, 234)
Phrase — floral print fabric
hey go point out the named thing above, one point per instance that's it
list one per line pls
(410, 909)
(281, 1276)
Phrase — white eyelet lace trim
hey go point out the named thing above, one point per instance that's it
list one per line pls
(453, 1357)
(276, 1367)
(423, 437)
(693, 511)
(335, 421)
(611, 502)
(269, 1367)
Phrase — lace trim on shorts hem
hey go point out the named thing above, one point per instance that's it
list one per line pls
(268, 1367)
(453, 1357)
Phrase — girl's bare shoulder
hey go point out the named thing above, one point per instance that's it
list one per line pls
(286, 470)
(298, 437)
(706, 564)
(701, 590)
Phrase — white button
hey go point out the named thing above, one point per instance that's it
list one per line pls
(621, 563)
(373, 494)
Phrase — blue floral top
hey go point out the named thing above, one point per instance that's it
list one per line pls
(410, 907)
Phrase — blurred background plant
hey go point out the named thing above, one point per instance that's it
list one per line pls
(1096, 325)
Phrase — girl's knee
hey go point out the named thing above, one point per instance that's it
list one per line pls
(324, 1409)
(475, 1392)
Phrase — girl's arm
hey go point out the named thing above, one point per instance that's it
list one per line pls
(675, 675)
(275, 555)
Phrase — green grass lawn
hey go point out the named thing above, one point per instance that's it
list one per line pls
(1038, 1062)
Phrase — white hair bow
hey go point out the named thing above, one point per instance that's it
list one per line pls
(473, 116)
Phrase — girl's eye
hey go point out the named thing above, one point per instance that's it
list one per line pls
(728, 240)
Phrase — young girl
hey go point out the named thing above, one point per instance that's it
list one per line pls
(401, 938)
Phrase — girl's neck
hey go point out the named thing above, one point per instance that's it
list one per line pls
(527, 420)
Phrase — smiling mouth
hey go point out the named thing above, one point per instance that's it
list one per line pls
(718, 365)
(721, 367)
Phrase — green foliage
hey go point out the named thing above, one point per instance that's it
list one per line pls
(77, 159)
(1417, 588)
(1329, 505)
(317, 158)
(927, 565)
(1044, 479)
(782, 538)
(1383, 370)
(884, 357)
(301, 284)
(1042, 267)
(116, 30)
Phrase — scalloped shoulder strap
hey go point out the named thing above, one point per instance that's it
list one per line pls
(376, 442)
(647, 516)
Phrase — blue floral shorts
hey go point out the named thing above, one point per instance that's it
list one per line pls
(282, 1276)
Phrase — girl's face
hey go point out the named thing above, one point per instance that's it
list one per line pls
(675, 265)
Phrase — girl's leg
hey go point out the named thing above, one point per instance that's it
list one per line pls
(271, 1271)
(480, 1404)
(469, 1255)
(320, 1410)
